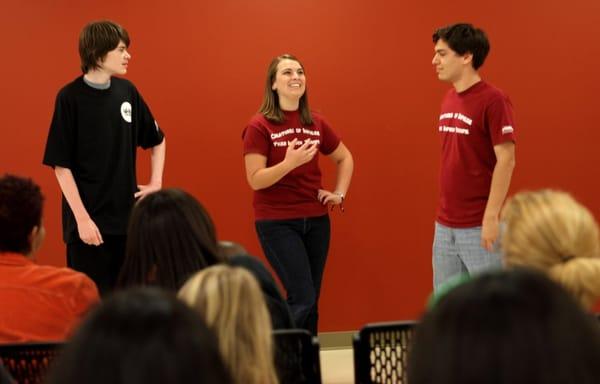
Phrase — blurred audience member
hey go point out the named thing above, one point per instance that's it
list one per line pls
(509, 327)
(230, 301)
(170, 237)
(141, 336)
(39, 303)
(550, 231)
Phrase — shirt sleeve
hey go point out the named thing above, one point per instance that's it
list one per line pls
(329, 139)
(500, 121)
(148, 131)
(256, 139)
(61, 136)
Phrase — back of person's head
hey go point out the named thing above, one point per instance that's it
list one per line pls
(550, 231)
(170, 237)
(229, 249)
(21, 204)
(96, 40)
(464, 38)
(508, 327)
(230, 301)
(141, 336)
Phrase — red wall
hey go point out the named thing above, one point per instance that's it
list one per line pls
(201, 66)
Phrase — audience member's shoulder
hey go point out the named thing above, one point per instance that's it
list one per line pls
(256, 267)
(245, 260)
(60, 277)
(73, 288)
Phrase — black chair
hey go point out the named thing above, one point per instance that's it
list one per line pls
(296, 356)
(27, 362)
(381, 352)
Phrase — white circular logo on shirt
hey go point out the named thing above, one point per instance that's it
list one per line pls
(126, 111)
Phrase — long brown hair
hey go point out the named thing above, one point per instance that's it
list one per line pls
(270, 105)
(170, 237)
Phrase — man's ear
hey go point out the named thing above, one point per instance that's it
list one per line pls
(34, 232)
(467, 58)
(36, 237)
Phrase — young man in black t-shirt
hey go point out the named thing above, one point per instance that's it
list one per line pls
(99, 121)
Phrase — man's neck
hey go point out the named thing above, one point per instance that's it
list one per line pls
(97, 77)
(466, 81)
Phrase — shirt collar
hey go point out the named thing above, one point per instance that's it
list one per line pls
(14, 259)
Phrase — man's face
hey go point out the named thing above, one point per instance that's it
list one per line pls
(115, 62)
(448, 64)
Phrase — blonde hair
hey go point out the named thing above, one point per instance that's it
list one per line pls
(550, 231)
(231, 302)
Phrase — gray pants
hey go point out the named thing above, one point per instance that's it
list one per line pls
(458, 251)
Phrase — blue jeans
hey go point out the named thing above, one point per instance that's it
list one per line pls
(458, 251)
(297, 251)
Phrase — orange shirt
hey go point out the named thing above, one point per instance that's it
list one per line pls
(39, 302)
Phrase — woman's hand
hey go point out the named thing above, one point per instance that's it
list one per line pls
(332, 198)
(301, 155)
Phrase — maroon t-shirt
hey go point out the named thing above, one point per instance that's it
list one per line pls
(471, 123)
(295, 195)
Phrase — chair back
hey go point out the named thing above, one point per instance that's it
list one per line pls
(296, 356)
(27, 363)
(381, 352)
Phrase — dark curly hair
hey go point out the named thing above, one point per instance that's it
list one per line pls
(21, 204)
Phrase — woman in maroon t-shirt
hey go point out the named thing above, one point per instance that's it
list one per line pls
(280, 152)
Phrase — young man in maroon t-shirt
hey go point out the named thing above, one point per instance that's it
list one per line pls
(476, 128)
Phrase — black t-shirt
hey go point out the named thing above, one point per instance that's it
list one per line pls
(95, 134)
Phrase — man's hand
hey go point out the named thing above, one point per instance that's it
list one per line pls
(489, 232)
(146, 190)
(89, 232)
